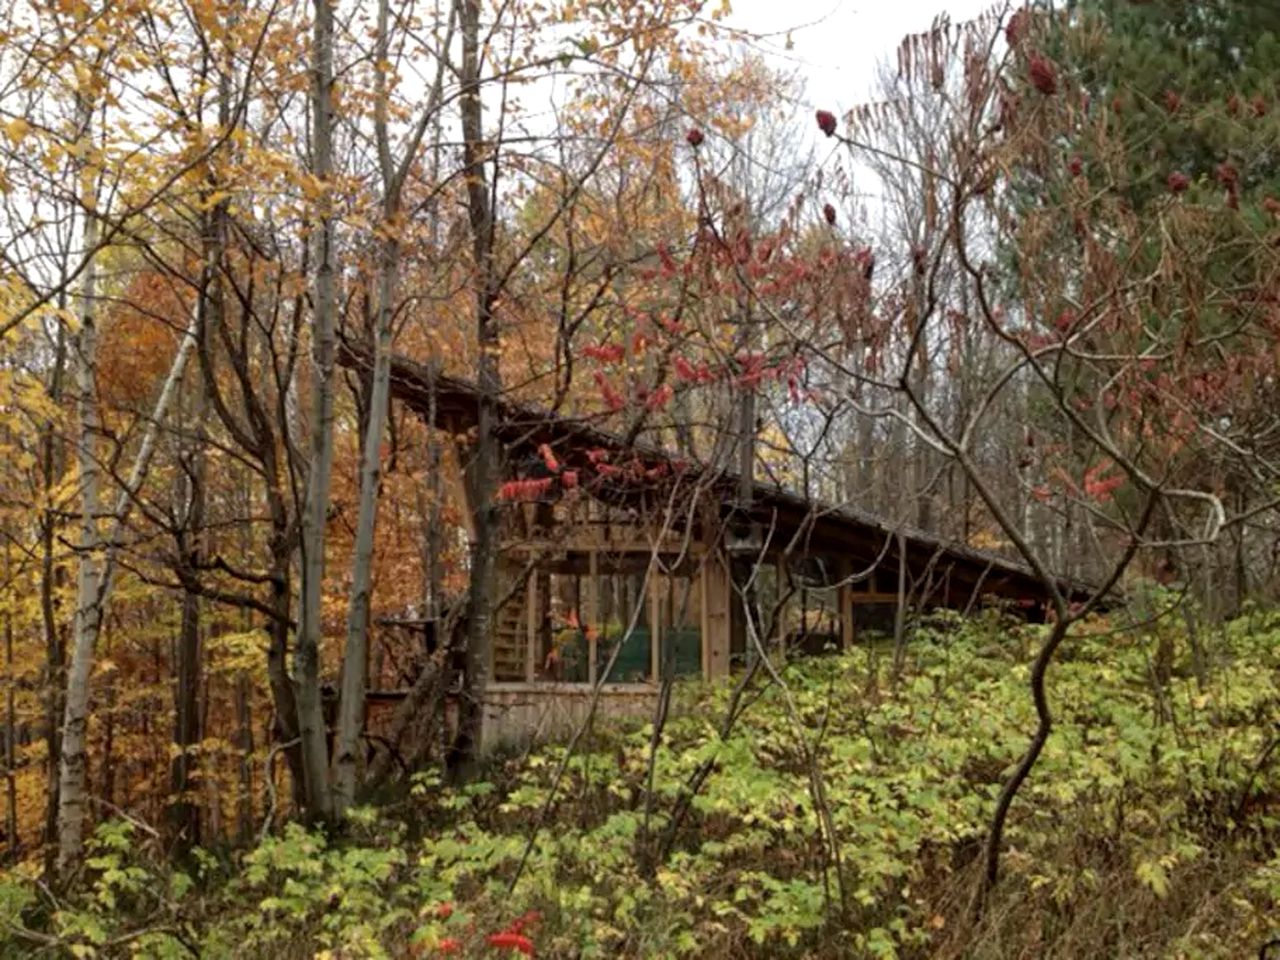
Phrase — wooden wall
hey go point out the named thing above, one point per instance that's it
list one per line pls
(517, 714)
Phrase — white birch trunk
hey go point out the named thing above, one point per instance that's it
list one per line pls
(97, 554)
(71, 770)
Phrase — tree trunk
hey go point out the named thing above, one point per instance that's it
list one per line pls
(355, 660)
(483, 468)
(435, 444)
(88, 612)
(425, 692)
(281, 599)
(52, 575)
(106, 759)
(97, 556)
(306, 662)
(356, 656)
(184, 815)
(10, 723)
(433, 566)
(244, 744)
(900, 612)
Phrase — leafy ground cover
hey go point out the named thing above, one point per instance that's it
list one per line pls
(842, 816)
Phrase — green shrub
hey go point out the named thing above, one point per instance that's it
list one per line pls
(1148, 828)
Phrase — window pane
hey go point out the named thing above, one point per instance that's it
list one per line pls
(621, 600)
(753, 597)
(873, 622)
(766, 601)
(812, 623)
(563, 653)
(682, 617)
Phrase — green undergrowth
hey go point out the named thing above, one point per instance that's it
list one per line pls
(1148, 829)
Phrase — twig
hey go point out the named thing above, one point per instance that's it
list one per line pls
(131, 820)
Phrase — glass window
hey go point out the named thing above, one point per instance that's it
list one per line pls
(767, 595)
(753, 601)
(579, 622)
(873, 622)
(623, 610)
(681, 606)
(812, 623)
(563, 652)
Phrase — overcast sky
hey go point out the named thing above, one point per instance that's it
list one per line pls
(837, 43)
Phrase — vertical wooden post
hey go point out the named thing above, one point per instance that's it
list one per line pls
(593, 612)
(717, 597)
(845, 599)
(531, 628)
(656, 631)
(704, 624)
(703, 616)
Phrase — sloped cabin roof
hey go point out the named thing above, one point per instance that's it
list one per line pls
(838, 530)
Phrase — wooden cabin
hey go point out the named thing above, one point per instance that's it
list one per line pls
(619, 563)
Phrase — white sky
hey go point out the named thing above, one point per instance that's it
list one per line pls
(838, 43)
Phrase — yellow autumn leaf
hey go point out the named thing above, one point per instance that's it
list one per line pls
(16, 130)
(213, 199)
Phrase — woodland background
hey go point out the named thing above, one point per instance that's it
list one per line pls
(1026, 299)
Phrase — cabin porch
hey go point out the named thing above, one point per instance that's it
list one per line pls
(621, 566)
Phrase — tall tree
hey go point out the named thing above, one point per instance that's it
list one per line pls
(483, 467)
(307, 666)
(394, 172)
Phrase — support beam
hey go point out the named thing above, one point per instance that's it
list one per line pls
(715, 625)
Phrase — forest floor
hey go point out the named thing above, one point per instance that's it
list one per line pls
(842, 816)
